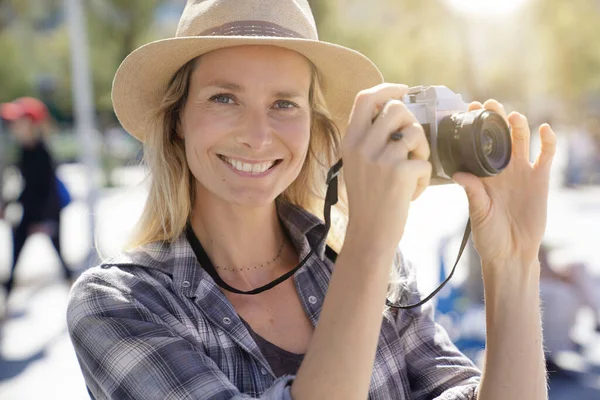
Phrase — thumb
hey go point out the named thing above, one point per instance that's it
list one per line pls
(476, 193)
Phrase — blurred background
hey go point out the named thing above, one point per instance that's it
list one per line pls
(538, 57)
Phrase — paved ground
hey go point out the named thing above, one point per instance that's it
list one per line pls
(36, 358)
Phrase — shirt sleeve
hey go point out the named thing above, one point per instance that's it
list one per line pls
(125, 352)
(436, 368)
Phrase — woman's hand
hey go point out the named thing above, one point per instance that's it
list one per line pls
(382, 175)
(508, 211)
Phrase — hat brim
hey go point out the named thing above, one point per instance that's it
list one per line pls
(142, 79)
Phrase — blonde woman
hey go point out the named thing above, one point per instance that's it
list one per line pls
(229, 290)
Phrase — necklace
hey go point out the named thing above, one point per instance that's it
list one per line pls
(265, 264)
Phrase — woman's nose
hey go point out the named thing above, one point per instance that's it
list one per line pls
(256, 132)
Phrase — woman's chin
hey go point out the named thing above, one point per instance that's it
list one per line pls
(252, 198)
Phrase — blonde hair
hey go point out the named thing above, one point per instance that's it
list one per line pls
(171, 194)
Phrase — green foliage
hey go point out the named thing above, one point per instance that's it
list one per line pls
(115, 28)
(13, 76)
(570, 31)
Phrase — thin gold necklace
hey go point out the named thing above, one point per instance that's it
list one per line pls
(265, 264)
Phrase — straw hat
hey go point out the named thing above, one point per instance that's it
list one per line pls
(206, 25)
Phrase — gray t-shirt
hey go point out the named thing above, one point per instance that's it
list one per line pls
(282, 362)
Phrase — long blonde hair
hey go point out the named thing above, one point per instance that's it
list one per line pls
(171, 194)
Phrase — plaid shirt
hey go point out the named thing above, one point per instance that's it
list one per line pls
(152, 324)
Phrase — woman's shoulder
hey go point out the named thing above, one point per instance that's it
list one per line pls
(120, 290)
(108, 282)
(126, 271)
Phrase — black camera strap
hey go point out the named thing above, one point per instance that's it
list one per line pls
(331, 198)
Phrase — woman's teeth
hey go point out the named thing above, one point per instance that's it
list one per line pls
(251, 168)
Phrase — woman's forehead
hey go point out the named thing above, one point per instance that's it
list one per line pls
(244, 65)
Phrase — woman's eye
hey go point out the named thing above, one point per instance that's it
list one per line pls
(222, 98)
(285, 104)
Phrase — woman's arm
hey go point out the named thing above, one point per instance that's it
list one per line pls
(381, 180)
(508, 215)
(339, 361)
(514, 365)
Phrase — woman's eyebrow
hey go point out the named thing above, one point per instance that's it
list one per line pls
(288, 94)
(234, 87)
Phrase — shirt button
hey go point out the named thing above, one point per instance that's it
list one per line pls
(312, 300)
(185, 284)
(226, 320)
(263, 371)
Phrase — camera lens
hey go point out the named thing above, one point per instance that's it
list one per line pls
(477, 142)
(487, 143)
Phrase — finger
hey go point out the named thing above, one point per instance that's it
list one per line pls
(413, 145)
(475, 105)
(367, 104)
(424, 178)
(479, 201)
(548, 148)
(382, 101)
(494, 105)
(520, 135)
(395, 117)
(420, 171)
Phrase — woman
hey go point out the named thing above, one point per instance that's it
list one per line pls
(40, 197)
(248, 104)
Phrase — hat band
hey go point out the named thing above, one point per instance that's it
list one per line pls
(251, 28)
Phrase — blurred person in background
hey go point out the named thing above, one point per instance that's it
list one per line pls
(43, 196)
(564, 291)
(593, 124)
(583, 154)
(219, 296)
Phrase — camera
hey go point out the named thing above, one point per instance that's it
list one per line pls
(476, 141)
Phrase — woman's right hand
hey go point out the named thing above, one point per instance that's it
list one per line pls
(383, 176)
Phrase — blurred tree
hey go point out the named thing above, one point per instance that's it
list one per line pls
(13, 81)
(117, 27)
(124, 21)
(9, 11)
(569, 33)
(408, 40)
(34, 45)
(320, 9)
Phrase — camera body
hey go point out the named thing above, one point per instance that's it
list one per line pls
(469, 141)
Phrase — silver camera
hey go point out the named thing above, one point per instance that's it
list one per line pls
(477, 141)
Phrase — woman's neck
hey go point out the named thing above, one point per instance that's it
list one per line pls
(239, 238)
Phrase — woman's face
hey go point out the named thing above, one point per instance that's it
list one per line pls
(246, 123)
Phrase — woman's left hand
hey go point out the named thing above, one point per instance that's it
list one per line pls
(508, 211)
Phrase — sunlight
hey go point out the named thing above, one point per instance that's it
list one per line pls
(479, 8)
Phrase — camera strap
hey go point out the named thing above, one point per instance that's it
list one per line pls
(331, 198)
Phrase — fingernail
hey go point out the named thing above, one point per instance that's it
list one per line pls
(515, 118)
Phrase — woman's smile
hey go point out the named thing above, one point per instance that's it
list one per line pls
(247, 168)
